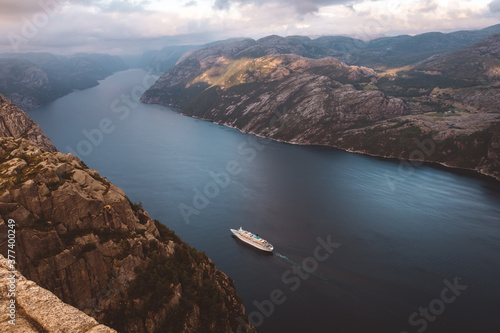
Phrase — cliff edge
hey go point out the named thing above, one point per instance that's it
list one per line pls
(79, 236)
(37, 310)
(16, 123)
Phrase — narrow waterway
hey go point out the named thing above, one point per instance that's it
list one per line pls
(380, 251)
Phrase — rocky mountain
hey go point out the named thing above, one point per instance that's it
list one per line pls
(381, 52)
(247, 93)
(477, 63)
(34, 79)
(403, 50)
(468, 79)
(389, 52)
(40, 311)
(80, 237)
(15, 123)
(251, 86)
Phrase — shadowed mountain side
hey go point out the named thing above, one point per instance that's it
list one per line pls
(34, 79)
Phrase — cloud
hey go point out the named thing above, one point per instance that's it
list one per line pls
(221, 4)
(125, 6)
(494, 6)
(426, 6)
(13, 10)
(131, 25)
(302, 7)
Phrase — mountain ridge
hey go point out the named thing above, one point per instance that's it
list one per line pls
(327, 102)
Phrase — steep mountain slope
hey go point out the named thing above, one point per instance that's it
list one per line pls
(301, 100)
(468, 79)
(33, 79)
(313, 95)
(476, 63)
(15, 123)
(80, 237)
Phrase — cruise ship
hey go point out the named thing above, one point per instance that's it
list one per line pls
(253, 240)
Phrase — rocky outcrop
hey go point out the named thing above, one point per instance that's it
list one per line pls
(37, 310)
(81, 238)
(15, 123)
(30, 80)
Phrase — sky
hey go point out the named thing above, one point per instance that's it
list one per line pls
(133, 26)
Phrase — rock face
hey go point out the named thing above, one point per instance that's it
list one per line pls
(313, 97)
(249, 85)
(37, 310)
(33, 79)
(15, 123)
(81, 238)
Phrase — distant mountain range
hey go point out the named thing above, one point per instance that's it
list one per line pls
(381, 52)
(34, 79)
(402, 50)
(294, 90)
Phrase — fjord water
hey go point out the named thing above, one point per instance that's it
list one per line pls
(418, 242)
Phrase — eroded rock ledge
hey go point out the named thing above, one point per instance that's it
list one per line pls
(39, 310)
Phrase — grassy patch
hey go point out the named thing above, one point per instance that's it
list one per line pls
(165, 233)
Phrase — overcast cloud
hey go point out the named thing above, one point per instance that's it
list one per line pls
(130, 26)
(302, 6)
(495, 6)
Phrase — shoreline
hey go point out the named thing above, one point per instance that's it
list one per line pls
(435, 164)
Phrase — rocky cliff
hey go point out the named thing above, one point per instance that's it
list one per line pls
(80, 237)
(15, 123)
(37, 310)
(302, 100)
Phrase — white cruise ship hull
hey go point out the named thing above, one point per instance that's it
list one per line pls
(251, 239)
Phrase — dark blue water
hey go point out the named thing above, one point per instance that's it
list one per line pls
(419, 245)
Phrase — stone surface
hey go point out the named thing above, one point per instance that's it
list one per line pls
(39, 310)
